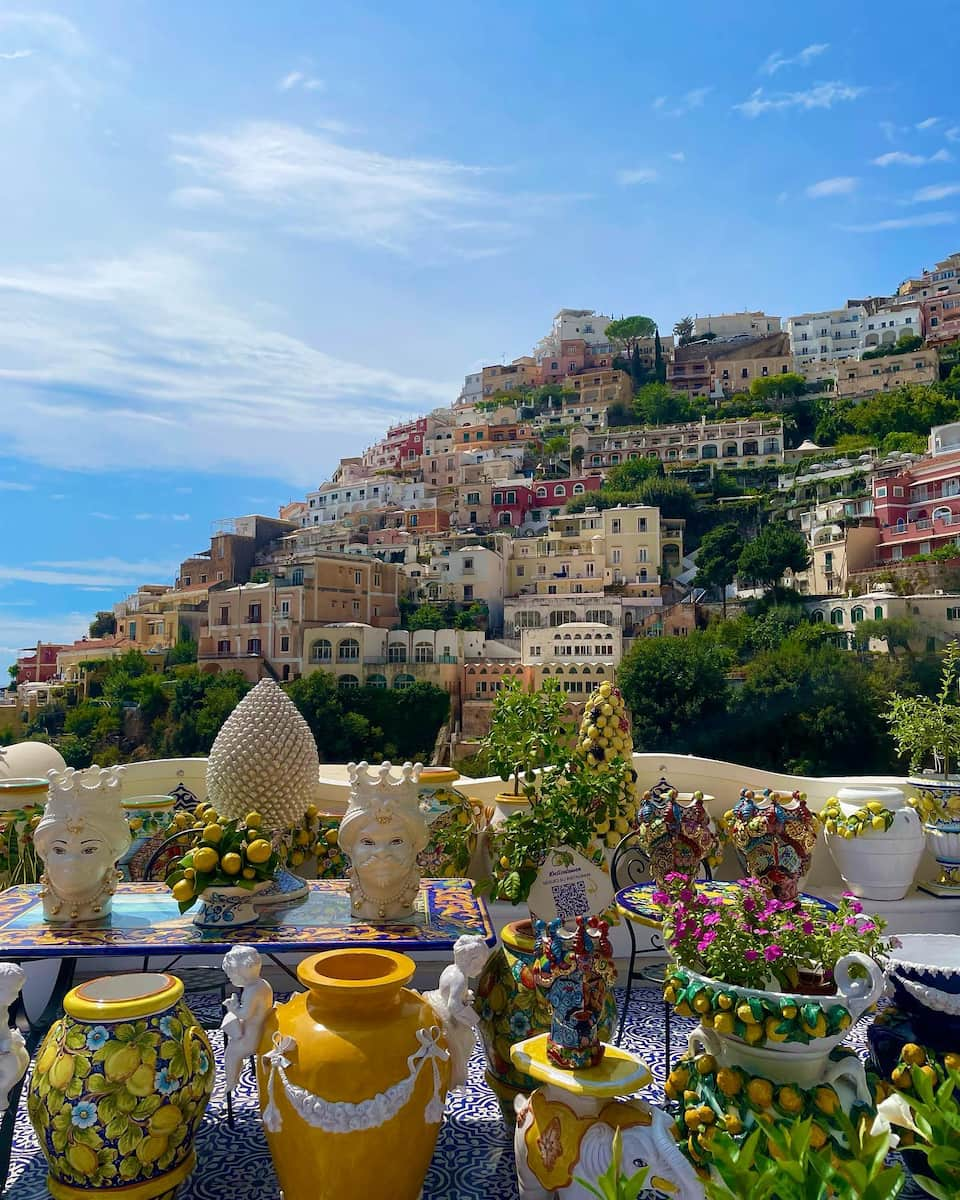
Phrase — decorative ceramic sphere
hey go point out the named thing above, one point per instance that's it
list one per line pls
(29, 760)
(264, 760)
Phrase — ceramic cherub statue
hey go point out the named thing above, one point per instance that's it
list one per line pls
(14, 1058)
(382, 832)
(246, 1013)
(453, 1002)
(80, 837)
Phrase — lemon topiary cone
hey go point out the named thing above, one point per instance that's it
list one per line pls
(604, 736)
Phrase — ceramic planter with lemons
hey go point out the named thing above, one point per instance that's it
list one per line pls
(230, 863)
(876, 839)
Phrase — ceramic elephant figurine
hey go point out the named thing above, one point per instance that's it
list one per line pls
(562, 1139)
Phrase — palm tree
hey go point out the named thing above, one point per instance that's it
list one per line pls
(684, 328)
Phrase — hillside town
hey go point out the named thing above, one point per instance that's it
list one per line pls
(554, 513)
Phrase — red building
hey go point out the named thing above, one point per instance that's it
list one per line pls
(515, 503)
(941, 319)
(40, 665)
(511, 503)
(575, 356)
(917, 506)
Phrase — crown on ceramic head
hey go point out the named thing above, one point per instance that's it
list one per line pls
(91, 796)
(374, 790)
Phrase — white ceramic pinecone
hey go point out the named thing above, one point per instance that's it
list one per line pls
(264, 760)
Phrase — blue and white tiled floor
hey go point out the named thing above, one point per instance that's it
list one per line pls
(474, 1155)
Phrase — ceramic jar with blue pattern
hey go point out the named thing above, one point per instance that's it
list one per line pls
(120, 1086)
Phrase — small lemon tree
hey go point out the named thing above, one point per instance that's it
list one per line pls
(526, 732)
(925, 729)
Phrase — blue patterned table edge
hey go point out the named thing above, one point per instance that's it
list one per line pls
(634, 902)
(447, 909)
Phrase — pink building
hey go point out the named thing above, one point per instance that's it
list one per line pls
(917, 506)
(511, 503)
(575, 356)
(40, 665)
(941, 319)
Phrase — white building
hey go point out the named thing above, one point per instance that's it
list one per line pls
(826, 336)
(572, 324)
(582, 641)
(888, 324)
(742, 324)
(472, 389)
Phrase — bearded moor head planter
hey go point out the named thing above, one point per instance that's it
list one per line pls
(774, 835)
(80, 837)
(382, 832)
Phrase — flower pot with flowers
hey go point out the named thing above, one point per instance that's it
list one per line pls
(526, 735)
(230, 864)
(876, 840)
(769, 1044)
(565, 812)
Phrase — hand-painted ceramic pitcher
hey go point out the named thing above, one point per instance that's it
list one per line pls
(120, 1087)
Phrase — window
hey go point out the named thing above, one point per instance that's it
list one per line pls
(559, 490)
(321, 651)
(412, 519)
(377, 581)
(541, 493)
(253, 614)
(615, 557)
(397, 653)
(615, 525)
(953, 614)
(224, 616)
(817, 617)
(357, 578)
(836, 616)
(348, 681)
(348, 650)
(186, 581)
(284, 644)
(203, 579)
(284, 608)
(403, 681)
(578, 489)
(897, 491)
(511, 497)
(356, 606)
(878, 612)
(520, 571)
(468, 591)
(881, 491)
(857, 615)
(376, 681)
(423, 652)
(253, 645)
(223, 647)
(498, 497)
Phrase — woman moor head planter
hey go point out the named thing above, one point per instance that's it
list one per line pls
(382, 832)
(82, 834)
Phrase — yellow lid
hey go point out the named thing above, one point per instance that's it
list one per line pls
(123, 997)
(619, 1073)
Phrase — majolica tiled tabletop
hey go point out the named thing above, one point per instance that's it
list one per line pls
(146, 919)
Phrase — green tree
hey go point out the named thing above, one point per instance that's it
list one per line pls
(717, 559)
(684, 329)
(576, 458)
(658, 404)
(676, 690)
(427, 616)
(104, 624)
(790, 384)
(319, 700)
(673, 497)
(659, 366)
(183, 653)
(909, 443)
(777, 548)
(628, 331)
(628, 476)
(620, 414)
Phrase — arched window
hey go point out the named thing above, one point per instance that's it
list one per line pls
(396, 652)
(403, 681)
(836, 616)
(541, 493)
(730, 450)
(321, 651)
(708, 452)
(559, 490)
(423, 652)
(377, 681)
(857, 615)
(546, 670)
(901, 524)
(600, 616)
(348, 650)
(348, 681)
(578, 489)
(878, 613)
(559, 670)
(942, 513)
(561, 616)
(817, 616)
(527, 618)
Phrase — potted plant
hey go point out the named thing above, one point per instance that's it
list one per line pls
(230, 863)
(776, 985)
(526, 735)
(928, 731)
(876, 840)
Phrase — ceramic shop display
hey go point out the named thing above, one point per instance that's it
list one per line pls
(147, 817)
(565, 1129)
(264, 760)
(119, 1089)
(444, 806)
(331, 861)
(512, 1009)
(352, 1076)
(574, 972)
(382, 832)
(81, 836)
(246, 1013)
(14, 1058)
(769, 1055)
(774, 836)
(877, 841)
(937, 798)
(674, 830)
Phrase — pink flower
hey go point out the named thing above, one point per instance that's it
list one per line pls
(713, 918)
(716, 902)
(807, 927)
(772, 953)
(750, 904)
(705, 941)
(751, 955)
(659, 897)
(686, 895)
(868, 927)
(834, 927)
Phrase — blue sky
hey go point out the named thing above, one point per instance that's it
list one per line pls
(240, 238)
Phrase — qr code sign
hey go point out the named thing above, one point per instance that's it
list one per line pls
(570, 899)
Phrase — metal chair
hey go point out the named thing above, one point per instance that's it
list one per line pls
(629, 867)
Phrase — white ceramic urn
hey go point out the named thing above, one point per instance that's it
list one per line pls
(878, 864)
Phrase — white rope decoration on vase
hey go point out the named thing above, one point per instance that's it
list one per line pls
(345, 1116)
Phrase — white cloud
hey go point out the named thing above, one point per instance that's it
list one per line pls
(109, 572)
(310, 184)
(840, 185)
(19, 632)
(900, 158)
(297, 79)
(10, 485)
(180, 516)
(821, 95)
(11, 55)
(918, 222)
(936, 191)
(927, 124)
(686, 103)
(57, 496)
(103, 516)
(196, 197)
(53, 29)
(783, 197)
(677, 156)
(953, 133)
(776, 61)
(99, 358)
(144, 517)
(638, 175)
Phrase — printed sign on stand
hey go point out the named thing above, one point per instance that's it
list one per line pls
(569, 886)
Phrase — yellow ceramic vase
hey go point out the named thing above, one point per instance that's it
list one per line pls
(352, 1077)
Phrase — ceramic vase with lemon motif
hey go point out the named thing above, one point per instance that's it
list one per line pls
(352, 1076)
(119, 1089)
